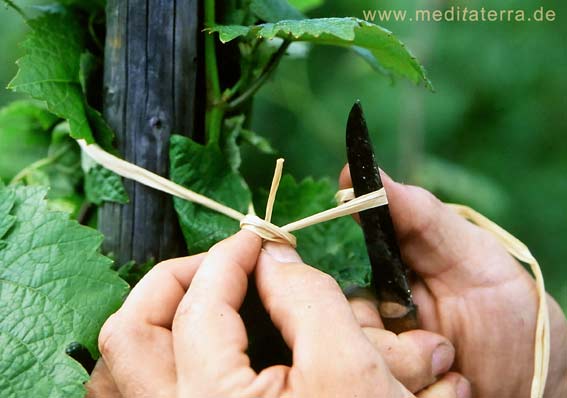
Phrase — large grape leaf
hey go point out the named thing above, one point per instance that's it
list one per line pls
(50, 69)
(55, 289)
(335, 247)
(389, 52)
(205, 170)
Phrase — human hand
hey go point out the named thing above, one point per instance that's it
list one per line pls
(472, 291)
(179, 334)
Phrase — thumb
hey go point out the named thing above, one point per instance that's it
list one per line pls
(282, 253)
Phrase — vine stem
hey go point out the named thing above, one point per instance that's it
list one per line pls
(266, 73)
(92, 32)
(215, 113)
(39, 164)
(10, 3)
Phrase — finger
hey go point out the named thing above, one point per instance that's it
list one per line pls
(315, 319)
(138, 333)
(415, 358)
(156, 297)
(209, 335)
(441, 245)
(365, 308)
(139, 356)
(101, 383)
(452, 385)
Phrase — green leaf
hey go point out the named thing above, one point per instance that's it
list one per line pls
(88, 5)
(236, 12)
(389, 52)
(205, 170)
(69, 204)
(230, 146)
(132, 272)
(37, 177)
(102, 185)
(65, 174)
(274, 10)
(236, 135)
(24, 136)
(55, 289)
(306, 5)
(7, 200)
(257, 141)
(50, 69)
(87, 65)
(335, 247)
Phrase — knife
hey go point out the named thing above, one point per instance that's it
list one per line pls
(389, 273)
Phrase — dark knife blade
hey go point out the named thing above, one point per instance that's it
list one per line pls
(389, 273)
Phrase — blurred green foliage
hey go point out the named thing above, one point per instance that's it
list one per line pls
(492, 136)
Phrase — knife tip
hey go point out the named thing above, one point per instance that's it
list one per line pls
(356, 111)
(356, 120)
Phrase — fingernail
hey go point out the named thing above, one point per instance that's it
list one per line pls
(282, 253)
(464, 388)
(442, 358)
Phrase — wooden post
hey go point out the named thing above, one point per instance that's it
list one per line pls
(150, 92)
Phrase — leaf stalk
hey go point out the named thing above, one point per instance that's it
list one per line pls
(264, 75)
(215, 113)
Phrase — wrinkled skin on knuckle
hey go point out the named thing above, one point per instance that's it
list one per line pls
(190, 312)
(377, 380)
(109, 334)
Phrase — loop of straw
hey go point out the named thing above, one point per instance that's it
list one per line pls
(522, 253)
(348, 204)
(267, 231)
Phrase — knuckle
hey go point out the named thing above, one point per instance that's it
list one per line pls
(190, 312)
(184, 310)
(428, 207)
(316, 278)
(164, 266)
(109, 334)
(118, 332)
(414, 375)
(368, 367)
(326, 281)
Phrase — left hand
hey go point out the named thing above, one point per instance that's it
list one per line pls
(179, 334)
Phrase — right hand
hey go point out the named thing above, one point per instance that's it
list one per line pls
(471, 290)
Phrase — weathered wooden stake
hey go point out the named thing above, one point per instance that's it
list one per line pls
(150, 92)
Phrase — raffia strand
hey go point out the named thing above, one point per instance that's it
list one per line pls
(263, 228)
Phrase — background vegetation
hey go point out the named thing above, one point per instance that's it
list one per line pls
(492, 136)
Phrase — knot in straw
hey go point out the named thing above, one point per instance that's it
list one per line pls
(267, 230)
(264, 228)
